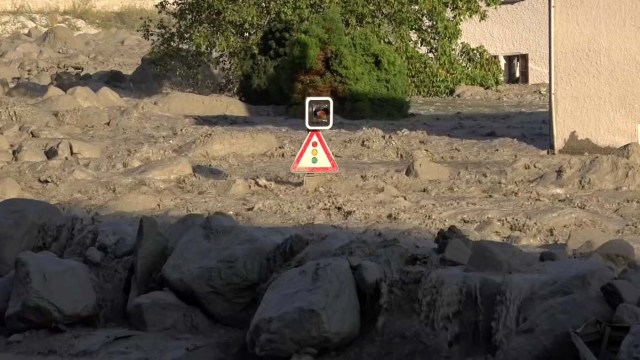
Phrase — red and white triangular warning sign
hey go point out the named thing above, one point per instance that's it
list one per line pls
(314, 156)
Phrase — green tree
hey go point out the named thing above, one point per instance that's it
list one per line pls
(201, 30)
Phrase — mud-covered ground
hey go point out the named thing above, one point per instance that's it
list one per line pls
(94, 153)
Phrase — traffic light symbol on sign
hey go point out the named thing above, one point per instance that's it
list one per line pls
(314, 156)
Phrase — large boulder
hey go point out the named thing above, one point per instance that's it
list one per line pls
(162, 310)
(219, 268)
(630, 347)
(627, 314)
(585, 240)
(151, 252)
(117, 236)
(25, 224)
(6, 285)
(545, 332)
(617, 251)
(178, 229)
(313, 306)
(49, 291)
(470, 314)
(619, 291)
(499, 257)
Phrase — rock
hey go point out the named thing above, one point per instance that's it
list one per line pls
(220, 269)
(630, 347)
(179, 103)
(6, 285)
(177, 230)
(584, 241)
(457, 252)
(27, 90)
(618, 292)
(34, 33)
(131, 203)
(60, 103)
(618, 251)
(4, 143)
(85, 117)
(58, 37)
(85, 96)
(66, 80)
(4, 86)
(97, 340)
(240, 187)
(368, 276)
(117, 236)
(423, 168)
(43, 79)
(151, 253)
(109, 98)
(84, 150)
(166, 169)
(9, 189)
(286, 251)
(94, 256)
(61, 150)
(315, 306)
(302, 357)
(49, 291)
(630, 152)
(226, 143)
(627, 314)
(162, 310)
(453, 232)
(53, 91)
(492, 256)
(545, 332)
(8, 73)
(5, 157)
(549, 255)
(25, 224)
(28, 153)
(15, 338)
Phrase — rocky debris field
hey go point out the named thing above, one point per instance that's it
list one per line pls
(142, 223)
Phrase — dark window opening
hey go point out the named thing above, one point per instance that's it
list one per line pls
(516, 69)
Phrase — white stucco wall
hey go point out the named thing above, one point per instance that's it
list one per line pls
(35, 5)
(522, 27)
(597, 62)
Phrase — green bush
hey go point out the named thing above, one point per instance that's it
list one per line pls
(365, 77)
(251, 37)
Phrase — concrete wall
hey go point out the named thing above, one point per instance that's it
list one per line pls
(596, 62)
(35, 5)
(522, 27)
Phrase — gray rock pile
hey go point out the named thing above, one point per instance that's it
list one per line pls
(310, 292)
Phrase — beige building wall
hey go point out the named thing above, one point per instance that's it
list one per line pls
(35, 5)
(597, 67)
(522, 27)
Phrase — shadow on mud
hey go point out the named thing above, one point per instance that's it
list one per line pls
(529, 127)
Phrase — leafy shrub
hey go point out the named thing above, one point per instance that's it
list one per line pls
(365, 77)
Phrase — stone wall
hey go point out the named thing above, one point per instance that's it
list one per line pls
(38, 5)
